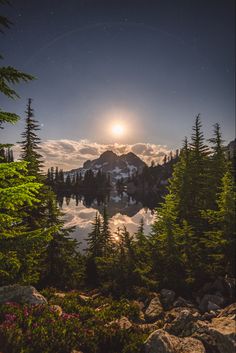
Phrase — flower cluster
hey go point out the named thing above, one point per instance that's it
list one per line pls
(68, 324)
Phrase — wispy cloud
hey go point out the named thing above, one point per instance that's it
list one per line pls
(69, 154)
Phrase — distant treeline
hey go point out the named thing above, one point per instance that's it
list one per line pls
(62, 182)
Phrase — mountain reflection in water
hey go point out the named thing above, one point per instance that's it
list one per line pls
(123, 210)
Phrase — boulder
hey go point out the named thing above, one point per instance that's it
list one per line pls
(183, 324)
(219, 336)
(175, 312)
(167, 298)
(123, 323)
(181, 302)
(208, 316)
(59, 295)
(84, 298)
(56, 309)
(209, 300)
(151, 327)
(229, 311)
(21, 294)
(162, 342)
(154, 310)
(212, 306)
(139, 304)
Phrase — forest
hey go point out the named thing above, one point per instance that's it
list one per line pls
(192, 242)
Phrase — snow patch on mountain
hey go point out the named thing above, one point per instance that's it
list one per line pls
(117, 167)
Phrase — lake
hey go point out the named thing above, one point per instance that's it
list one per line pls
(123, 210)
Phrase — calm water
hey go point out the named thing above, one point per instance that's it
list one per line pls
(122, 209)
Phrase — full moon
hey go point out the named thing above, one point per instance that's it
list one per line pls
(118, 130)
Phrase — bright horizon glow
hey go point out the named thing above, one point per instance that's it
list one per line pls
(118, 130)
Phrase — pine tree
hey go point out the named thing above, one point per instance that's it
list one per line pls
(199, 198)
(140, 237)
(220, 241)
(18, 256)
(94, 250)
(62, 265)
(165, 234)
(30, 143)
(218, 164)
(142, 253)
(106, 234)
(94, 239)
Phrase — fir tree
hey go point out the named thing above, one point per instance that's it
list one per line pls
(94, 239)
(18, 256)
(30, 143)
(106, 234)
(218, 164)
(94, 250)
(62, 265)
(199, 161)
(219, 242)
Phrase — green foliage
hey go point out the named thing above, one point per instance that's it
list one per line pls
(194, 226)
(10, 76)
(21, 245)
(30, 143)
(220, 241)
(94, 240)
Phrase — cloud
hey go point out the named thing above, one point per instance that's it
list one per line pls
(69, 154)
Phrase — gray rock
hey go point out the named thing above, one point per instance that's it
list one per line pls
(57, 309)
(162, 342)
(183, 324)
(123, 323)
(21, 294)
(208, 316)
(212, 306)
(181, 302)
(167, 298)
(175, 312)
(151, 327)
(154, 310)
(214, 299)
(59, 295)
(229, 311)
(219, 336)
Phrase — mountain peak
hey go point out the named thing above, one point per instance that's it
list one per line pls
(108, 154)
(117, 166)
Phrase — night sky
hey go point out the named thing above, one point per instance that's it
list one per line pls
(153, 65)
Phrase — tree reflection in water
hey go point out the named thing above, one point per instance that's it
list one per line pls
(79, 210)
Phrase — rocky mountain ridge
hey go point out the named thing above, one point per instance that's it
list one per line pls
(117, 167)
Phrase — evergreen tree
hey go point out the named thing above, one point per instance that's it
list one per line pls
(199, 197)
(165, 233)
(94, 239)
(30, 143)
(106, 234)
(220, 242)
(218, 164)
(94, 250)
(62, 265)
(142, 253)
(19, 247)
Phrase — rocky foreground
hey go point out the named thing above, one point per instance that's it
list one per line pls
(158, 322)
